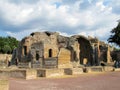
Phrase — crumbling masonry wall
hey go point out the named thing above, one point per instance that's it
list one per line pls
(49, 49)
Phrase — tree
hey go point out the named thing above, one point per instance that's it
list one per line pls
(115, 37)
(12, 42)
(7, 49)
(7, 44)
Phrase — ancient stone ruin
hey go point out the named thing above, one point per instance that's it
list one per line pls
(52, 50)
(49, 54)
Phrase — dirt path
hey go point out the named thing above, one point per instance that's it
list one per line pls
(102, 81)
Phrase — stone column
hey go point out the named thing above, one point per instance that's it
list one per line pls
(77, 49)
(22, 51)
(98, 51)
(93, 54)
(109, 59)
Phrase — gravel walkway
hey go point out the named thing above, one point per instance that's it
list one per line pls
(101, 81)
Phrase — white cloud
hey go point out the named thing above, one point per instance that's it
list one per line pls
(88, 17)
(23, 33)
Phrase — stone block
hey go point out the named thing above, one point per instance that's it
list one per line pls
(50, 63)
(93, 69)
(50, 72)
(73, 71)
(18, 73)
(24, 73)
(31, 74)
(108, 68)
(116, 69)
(4, 73)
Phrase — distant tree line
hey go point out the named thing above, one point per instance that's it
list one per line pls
(8, 44)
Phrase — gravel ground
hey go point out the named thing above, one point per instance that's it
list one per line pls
(101, 81)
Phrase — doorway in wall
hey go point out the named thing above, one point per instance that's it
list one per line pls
(50, 53)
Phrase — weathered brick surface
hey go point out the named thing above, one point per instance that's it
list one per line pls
(39, 46)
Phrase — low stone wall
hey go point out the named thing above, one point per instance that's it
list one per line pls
(19, 73)
(73, 71)
(93, 69)
(24, 73)
(31, 73)
(50, 72)
(54, 72)
(4, 73)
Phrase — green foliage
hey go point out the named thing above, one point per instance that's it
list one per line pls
(7, 44)
(7, 49)
(115, 37)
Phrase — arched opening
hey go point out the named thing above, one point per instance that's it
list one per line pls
(85, 51)
(37, 55)
(50, 53)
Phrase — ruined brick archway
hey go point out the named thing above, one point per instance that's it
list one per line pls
(85, 51)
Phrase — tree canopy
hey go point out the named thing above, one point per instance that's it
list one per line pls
(7, 44)
(115, 37)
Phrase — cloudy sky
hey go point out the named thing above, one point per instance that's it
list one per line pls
(18, 18)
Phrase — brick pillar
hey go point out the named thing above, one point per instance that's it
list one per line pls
(109, 59)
